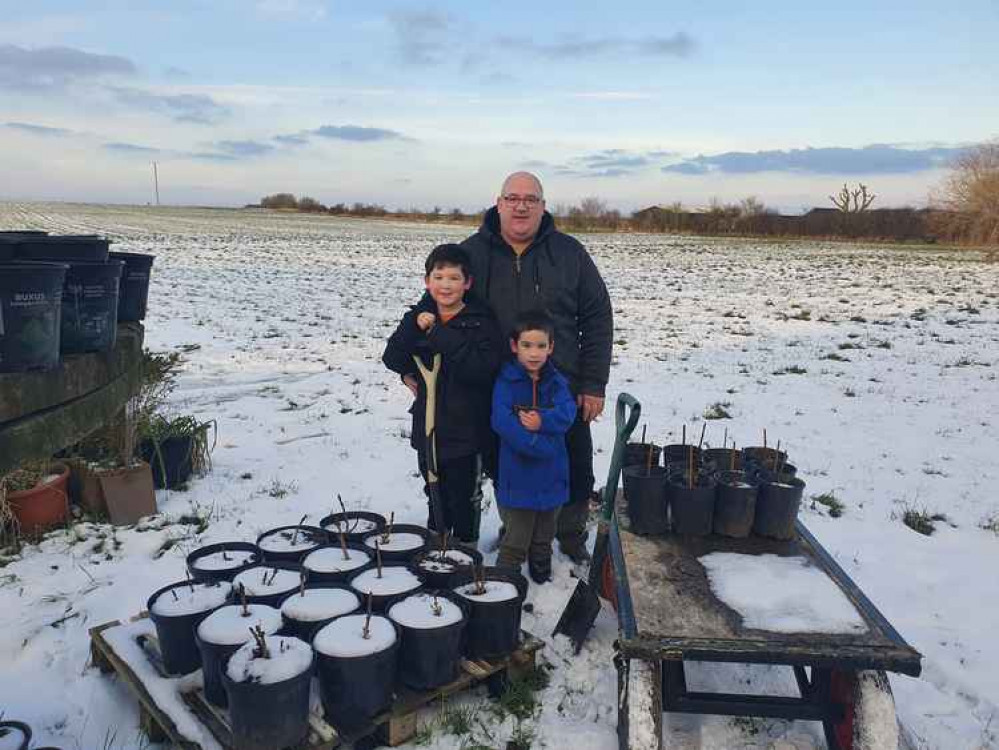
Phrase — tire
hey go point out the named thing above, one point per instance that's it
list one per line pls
(639, 706)
(870, 722)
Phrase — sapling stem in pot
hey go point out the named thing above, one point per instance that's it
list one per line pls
(436, 607)
(172, 591)
(764, 437)
(346, 518)
(261, 651)
(690, 473)
(731, 458)
(776, 456)
(366, 630)
(701, 441)
(242, 599)
(301, 583)
(643, 432)
(683, 435)
(725, 438)
(378, 557)
(190, 581)
(387, 534)
(298, 528)
(343, 545)
(648, 462)
(480, 581)
(225, 554)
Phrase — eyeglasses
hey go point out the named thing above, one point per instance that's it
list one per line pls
(528, 200)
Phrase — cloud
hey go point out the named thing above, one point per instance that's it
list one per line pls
(422, 36)
(679, 44)
(357, 133)
(44, 130)
(48, 68)
(243, 149)
(210, 156)
(311, 10)
(196, 108)
(131, 148)
(291, 140)
(610, 162)
(873, 159)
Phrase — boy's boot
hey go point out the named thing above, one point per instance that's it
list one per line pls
(540, 570)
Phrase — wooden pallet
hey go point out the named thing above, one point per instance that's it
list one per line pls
(394, 727)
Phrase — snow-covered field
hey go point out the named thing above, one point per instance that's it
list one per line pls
(876, 367)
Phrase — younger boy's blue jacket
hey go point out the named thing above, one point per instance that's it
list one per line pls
(533, 466)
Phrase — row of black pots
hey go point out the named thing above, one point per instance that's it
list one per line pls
(708, 459)
(732, 504)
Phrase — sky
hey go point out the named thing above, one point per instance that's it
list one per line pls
(423, 105)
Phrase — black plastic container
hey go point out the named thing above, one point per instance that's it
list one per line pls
(493, 629)
(429, 657)
(175, 633)
(133, 293)
(315, 536)
(356, 528)
(306, 628)
(265, 717)
(637, 454)
(62, 247)
(768, 458)
(692, 509)
(444, 574)
(21, 728)
(355, 689)
(215, 656)
(735, 505)
(379, 600)
(30, 309)
(318, 573)
(646, 497)
(400, 555)
(777, 509)
(723, 459)
(90, 307)
(268, 596)
(173, 463)
(225, 573)
(677, 455)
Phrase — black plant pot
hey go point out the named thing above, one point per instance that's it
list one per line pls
(173, 463)
(429, 656)
(269, 716)
(218, 569)
(15, 728)
(768, 458)
(355, 689)
(356, 523)
(400, 532)
(677, 456)
(289, 576)
(309, 538)
(692, 509)
(735, 505)
(31, 308)
(646, 497)
(326, 564)
(303, 622)
(89, 311)
(367, 582)
(133, 292)
(215, 656)
(439, 572)
(777, 509)
(723, 459)
(493, 629)
(175, 633)
(637, 454)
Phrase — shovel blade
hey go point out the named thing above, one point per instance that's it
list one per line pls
(579, 615)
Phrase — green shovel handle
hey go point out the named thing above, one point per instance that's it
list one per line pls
(626, 416)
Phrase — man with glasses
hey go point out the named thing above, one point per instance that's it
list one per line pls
(521, 262)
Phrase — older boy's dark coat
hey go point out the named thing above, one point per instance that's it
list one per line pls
(471, 349)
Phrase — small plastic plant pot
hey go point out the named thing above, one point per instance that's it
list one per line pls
(355, 523)
(15, 735)
(269, 698)
(176, 611)
(290, 543)
(356, 674)
(327, 564)
(678, 455)
(222, 633)
(222, 561)
(692, 508)
(405, 541)
(768, 458)
(321, 603)
(646, 498)
(637, 454)
(441, 569)
(723, 459)
(735, 505)
(777, 508)
(396, 579)
(268, 583)
(493, 629)
(432, 625)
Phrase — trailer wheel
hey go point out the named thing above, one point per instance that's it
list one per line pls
(639, 705)
(869, 722)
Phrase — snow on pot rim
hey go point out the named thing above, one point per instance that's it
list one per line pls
(279, 580)
(343, 638)
(227, 626)
(291, 539)
(404, 538)
(358, 523)
(448, 561)
(320, 602)
(188, 598)
(211, 559)
(417, 612)
(329, 559)
(496, 591)
(289, 657)
(396, 579)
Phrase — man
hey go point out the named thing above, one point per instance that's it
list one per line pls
(521, 262)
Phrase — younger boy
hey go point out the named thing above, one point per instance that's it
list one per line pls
(532, 410)
(468, 339)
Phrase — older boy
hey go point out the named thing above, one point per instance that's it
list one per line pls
(467, 337)
(533, 408)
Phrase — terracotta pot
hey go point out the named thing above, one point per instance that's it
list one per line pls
(85, 487)
(43, 506)
(129, 493)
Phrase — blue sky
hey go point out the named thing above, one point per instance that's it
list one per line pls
(432, 104)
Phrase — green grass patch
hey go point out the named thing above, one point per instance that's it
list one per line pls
(833, 505)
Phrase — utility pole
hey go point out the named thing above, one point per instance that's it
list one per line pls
(156, 183)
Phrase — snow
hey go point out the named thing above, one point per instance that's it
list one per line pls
(330, 560)
(345, 637)
(289, 657)
(262, 580)
(227, 560)
(394, 580)
(495, 591)
(198, 597)
(900, 348)
(287, 540)
(395, 542)
(228, 626)
(351, 526)
(447, 562)
(319, 604)
(418, 611)
(781, 594)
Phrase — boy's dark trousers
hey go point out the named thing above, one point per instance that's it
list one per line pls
(527, 534)
(459, 487)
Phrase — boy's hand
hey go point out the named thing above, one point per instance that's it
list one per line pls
(425, 320)
(410, 381)
(530, 419)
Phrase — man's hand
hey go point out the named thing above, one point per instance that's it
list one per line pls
(410, 381)
(590, 407)
(425, 320)
(530, 419)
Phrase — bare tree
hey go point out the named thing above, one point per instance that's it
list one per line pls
(970, 198)
(593, 207)
(853, 201)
